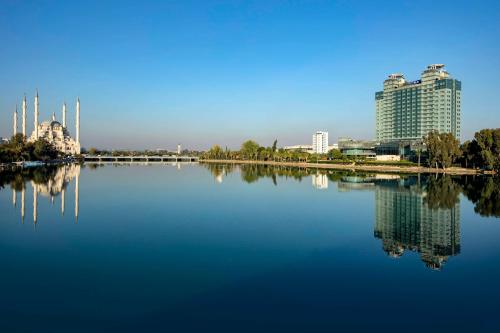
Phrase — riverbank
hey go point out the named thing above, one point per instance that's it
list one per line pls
(28, 164)
(355, 167)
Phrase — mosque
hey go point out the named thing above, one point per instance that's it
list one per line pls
(53, 131)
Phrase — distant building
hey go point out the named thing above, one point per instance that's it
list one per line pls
(410, 110)
(320, 142)
(358, 148)
(302, 148)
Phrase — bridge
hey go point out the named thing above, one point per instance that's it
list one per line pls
(140, 158)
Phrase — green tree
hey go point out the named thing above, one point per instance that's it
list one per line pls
(335, 154)
(44, 151)
(249, 150)
(488, 148)
(443, 149)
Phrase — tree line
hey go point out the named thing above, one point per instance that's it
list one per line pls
(483, 151)
(252, 151)
(440, 150)
(18, 149)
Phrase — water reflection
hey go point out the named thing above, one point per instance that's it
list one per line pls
(414, 213)
(49, 182)
(419, 213)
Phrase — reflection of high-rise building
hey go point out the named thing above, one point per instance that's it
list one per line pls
(405, 222)
(320, 181)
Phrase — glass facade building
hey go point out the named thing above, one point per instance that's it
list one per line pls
(409, 110)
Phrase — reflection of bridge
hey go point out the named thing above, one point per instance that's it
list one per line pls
(141, 158)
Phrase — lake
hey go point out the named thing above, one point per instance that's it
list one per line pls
(226, 248)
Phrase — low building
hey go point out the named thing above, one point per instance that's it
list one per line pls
(301, 148)
(357, 148)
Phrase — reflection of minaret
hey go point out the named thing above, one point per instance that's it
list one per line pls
(64, 115)
(14, 198)
(36, 116)
(78, 125)
(24, 116)
(63, 192)
(35, 202)
(76, 194)
(22, 204)
(14, 129)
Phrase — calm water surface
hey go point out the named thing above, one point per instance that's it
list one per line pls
(221, 248)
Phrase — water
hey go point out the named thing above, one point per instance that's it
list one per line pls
(218, 248)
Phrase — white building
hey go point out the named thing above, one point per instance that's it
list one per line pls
(302, 148)
(320, 142)
(53, 131)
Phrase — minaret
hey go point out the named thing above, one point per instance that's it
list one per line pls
(14, 130)
(78, 125)
(64, 115)
(53, 116)
(36, 116)
(24, 115)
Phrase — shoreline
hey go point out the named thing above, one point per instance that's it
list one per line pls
(371, 168)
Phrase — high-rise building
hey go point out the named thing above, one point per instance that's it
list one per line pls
(320, 142)
(410, 110)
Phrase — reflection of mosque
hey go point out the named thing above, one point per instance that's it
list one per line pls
(404, 221)
(54, 186)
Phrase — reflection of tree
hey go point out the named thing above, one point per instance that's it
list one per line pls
(251, 173)
(442, 192)
(484, 192)
(16, 177)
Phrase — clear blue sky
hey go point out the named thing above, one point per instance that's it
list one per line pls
(151, 74)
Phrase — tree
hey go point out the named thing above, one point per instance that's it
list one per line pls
(249, 149)
(93, 151)
(488, 148)
(44, 151)
(443, 149)
(335, 154)
(275, 145)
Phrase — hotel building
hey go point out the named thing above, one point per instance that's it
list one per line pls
(410, 110)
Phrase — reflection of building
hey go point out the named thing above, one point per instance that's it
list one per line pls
(320, 181)
(52, 131)
(320, 142)
(55, 185)
(409, 110)
(404, 222)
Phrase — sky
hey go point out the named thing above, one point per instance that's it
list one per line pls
(152, 74)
